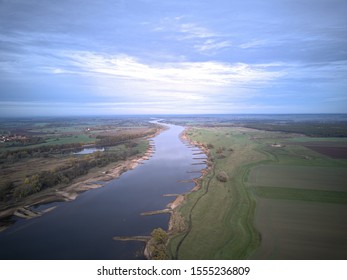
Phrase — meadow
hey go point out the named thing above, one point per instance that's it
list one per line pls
(220, 214)
(282, 198)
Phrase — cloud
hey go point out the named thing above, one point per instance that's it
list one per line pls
(202, 38)
(167, 55)
(192, 30)
(212, 45)
(128, 82)
(206, 73)
(253, 44)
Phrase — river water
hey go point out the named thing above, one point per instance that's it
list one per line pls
(84, 228)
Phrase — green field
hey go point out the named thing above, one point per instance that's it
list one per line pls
(282, 200)
(220, 214)
(300, 177)
(298, 229)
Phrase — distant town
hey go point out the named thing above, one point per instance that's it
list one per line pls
(12, 138)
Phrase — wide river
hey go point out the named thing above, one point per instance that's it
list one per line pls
(84, 228)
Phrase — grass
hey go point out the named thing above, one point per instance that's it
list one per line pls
(299, 229)
(221, 214)
(80, 138)
(304, 177)
(302, 194)
(276, 202)
(301, 201)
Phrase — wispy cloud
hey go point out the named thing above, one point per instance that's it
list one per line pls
(212, 45)
(253, 44)
(203, 39)
(210, 73)
(192, 30)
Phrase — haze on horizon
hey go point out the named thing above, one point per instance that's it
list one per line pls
(172, 57)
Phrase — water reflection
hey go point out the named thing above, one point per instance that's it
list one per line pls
(87, 151)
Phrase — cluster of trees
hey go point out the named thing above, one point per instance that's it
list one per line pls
(158, 244)
(66, 173)
(46, 150)
(105, 140)
(43, 151)
(219, 152)
(26, 142)
(6, 187)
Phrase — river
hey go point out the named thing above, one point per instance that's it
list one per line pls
(84, 228)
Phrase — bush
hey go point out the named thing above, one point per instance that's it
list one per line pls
(157, 243)
(222, 176)
(159, 236)
(5, 188)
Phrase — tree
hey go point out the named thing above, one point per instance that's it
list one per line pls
(222, 176)
(157, 243)
(159, 236)
(35, 183)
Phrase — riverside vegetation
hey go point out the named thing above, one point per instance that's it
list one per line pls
(38, 156)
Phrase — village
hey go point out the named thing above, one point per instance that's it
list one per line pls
(12, 138)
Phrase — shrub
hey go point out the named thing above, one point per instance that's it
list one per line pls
(222, 176)
(159, 236)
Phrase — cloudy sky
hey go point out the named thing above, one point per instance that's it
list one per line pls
(80, 57)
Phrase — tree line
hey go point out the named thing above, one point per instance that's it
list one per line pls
(106, 140)
(62, 175)
(42, 151)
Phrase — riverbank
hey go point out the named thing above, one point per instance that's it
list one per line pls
(209, 213)
(177, 223)
(96, 178)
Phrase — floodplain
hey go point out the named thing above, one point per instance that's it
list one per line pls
(285, 196)
(43, 159)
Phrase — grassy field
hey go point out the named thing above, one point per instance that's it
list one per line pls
(300, 229)
(301, 202)
(300, 177)
(220, 214)
(282, 200)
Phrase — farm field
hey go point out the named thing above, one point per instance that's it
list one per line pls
(301, 177)
(301, 200)
(282, 199)
(298, 229)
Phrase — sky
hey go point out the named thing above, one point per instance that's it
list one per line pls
(111, 57)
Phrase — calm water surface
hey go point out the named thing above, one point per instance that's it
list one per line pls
(87, 151)
(83, 228)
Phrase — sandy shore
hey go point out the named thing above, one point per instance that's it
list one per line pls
(72, 191)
